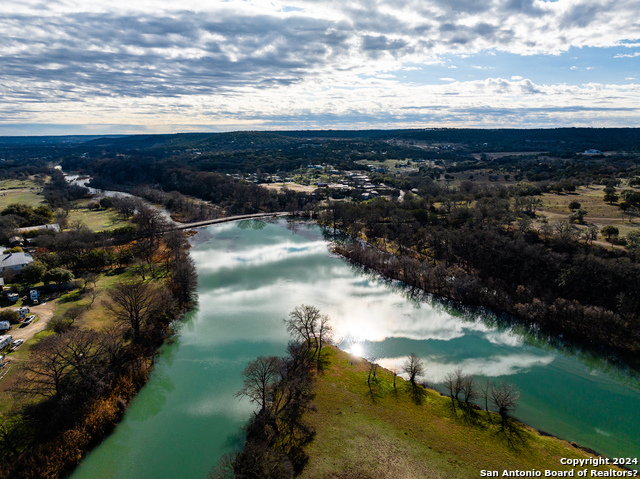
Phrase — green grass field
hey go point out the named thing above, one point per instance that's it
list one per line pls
(27, 196)
(97, 220)
(388, 436)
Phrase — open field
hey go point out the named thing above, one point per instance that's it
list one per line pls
(97, 220)
(95, 318)
(28, 196)
(389, 436)
(290, 186)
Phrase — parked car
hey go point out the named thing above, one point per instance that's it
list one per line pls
(17, 343)
(28, 319)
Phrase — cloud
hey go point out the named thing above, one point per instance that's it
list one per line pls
(627, 55)
(151, 62)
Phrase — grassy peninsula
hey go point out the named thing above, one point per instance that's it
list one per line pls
(382, 434)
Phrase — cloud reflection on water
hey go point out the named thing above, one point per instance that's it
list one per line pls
(493, 366)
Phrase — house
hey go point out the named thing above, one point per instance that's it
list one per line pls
(14, 261)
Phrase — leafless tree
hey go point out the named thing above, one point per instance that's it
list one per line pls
(306, 324)
(504, 397)
(133, 301)
(184, 280)
(260, 380)
(414, 367)
(66, 365)
(151, 226)
(302, 323)
(325, 332)
(453, 382)
(469, 388)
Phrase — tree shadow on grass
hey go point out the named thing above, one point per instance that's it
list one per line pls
(469, 414)
(417, 393)
(512, 434)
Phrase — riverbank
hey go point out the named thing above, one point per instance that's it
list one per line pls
(561, 319)
(383, 434)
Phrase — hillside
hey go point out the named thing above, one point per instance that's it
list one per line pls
(384, 435)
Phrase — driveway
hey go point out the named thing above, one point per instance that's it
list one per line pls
(44, 312)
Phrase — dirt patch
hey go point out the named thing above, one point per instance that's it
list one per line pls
(290, 186)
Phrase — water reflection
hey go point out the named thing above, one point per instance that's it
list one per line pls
(248, 282)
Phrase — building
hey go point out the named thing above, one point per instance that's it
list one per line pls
(52, 227)
(14, 261)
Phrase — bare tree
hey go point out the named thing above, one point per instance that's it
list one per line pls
(414, 367)
(260, 380)
(133, 301)
(325, 332)
(504, 397)
(453, 382)
(305, 323)
(184, 280)
(68, 365)
(469, 388)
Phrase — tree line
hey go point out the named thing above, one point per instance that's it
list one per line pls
(282, 389)
(76, 383)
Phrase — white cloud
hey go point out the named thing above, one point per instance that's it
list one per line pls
(161, 65)
(627, 55)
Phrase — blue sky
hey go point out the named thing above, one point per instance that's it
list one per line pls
(158, 66)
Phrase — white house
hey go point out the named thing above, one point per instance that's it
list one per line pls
(14, 261)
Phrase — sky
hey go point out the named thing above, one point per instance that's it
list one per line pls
(167, 66)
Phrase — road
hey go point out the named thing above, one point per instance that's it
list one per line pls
(230, 218)
(44, 312)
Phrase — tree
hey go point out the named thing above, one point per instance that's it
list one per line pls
(574, 205)
(10, 315)
(260, 380)
(453, 382)
(578, 215)
(591, 234)
(58, 276)
(66, 366)
(413, 367)
(610, 231)
(133, 301)
(504, 397)
(34, 272)
(610, 195)
(184, 280)
(304, 324)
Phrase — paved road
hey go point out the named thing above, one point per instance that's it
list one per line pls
(230, 218)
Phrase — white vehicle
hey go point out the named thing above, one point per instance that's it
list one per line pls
(17, 343)
(28, 319)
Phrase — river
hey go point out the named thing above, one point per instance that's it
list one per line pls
(252, 274)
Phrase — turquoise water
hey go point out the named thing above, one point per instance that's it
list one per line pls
(252, 274)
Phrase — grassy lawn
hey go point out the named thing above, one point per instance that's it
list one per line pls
(28, 196)
(96, 318)
(590, 199)
(389, 436)
(97, 220)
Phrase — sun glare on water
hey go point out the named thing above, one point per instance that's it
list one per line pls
(357, 349)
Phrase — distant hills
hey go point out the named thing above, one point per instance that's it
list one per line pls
(558, 139)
